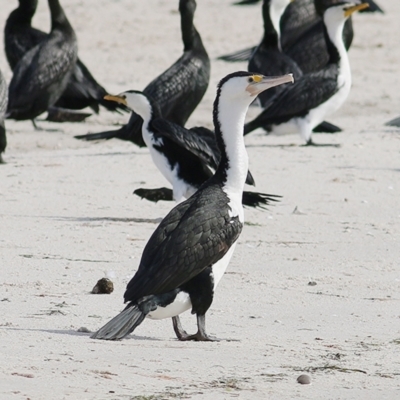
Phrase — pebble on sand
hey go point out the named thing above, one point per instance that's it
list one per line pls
(103, 286)
(304, 379)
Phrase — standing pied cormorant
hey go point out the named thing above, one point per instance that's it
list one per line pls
(42, 74)
(190, 250)
(3, 108)
(20, 37)
(186, 158)
(304, 105)
(178, 90)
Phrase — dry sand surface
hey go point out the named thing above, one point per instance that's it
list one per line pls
(313, 291)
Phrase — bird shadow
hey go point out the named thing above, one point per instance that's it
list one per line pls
(71, 332)
(105, 219)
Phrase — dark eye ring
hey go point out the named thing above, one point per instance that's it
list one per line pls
(250, 79)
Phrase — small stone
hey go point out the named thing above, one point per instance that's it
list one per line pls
(304, 379)
(103, 286)
(312, 283)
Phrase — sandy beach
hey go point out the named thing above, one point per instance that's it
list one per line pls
(313, 286)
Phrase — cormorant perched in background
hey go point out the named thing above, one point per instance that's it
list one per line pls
(302, 106)
(299, 18)
(20, 37)
(188, 253)
(42, 74)
(3, 108)
(268, 58)
(178, 90)
(185, 158)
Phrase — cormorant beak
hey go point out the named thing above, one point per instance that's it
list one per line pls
(118, 99)
(259, 83)
(355, 8)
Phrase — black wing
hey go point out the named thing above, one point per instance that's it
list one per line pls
(40, 68)
(194, 235)
(190, 140)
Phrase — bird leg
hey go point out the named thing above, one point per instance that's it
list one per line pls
(179, 331)
(200, 336)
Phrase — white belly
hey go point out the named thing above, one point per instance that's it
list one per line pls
(219, 268)
(181, 304)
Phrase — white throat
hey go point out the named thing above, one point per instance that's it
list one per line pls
(231, 115)
(276, 9)
(335, 33)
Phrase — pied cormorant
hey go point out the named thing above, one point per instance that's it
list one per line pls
(178, 90)
(304, 105)
(188, 253)
(3, 108)
(20, 37)
(42, 74)
(186, 158)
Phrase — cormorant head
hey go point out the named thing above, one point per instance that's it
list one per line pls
(338, 10)
(135, 100)
(247, 85)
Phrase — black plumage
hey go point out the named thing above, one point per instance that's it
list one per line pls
(20, 37)
(42, 74)
(3, 108)
(189, 251)
(178, 90)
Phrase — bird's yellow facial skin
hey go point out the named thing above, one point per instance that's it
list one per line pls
(117, 99)
(257, 78)
(353, 9)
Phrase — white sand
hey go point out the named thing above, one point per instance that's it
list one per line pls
(68, 218)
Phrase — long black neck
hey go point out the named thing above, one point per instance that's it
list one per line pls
(270, 38)
(58, 18)
(24, 13)
(190, 37)
(221, 172)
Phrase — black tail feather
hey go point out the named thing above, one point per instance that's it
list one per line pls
(121, 325)
(237, 56)
(259, 200)
(155, 195)
(394, 122)
(98, 136)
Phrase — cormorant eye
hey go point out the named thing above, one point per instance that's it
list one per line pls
(251, 80)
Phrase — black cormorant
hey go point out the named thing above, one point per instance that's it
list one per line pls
(178, 90)
(42, 74)
(188, 253)
(20, 37)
